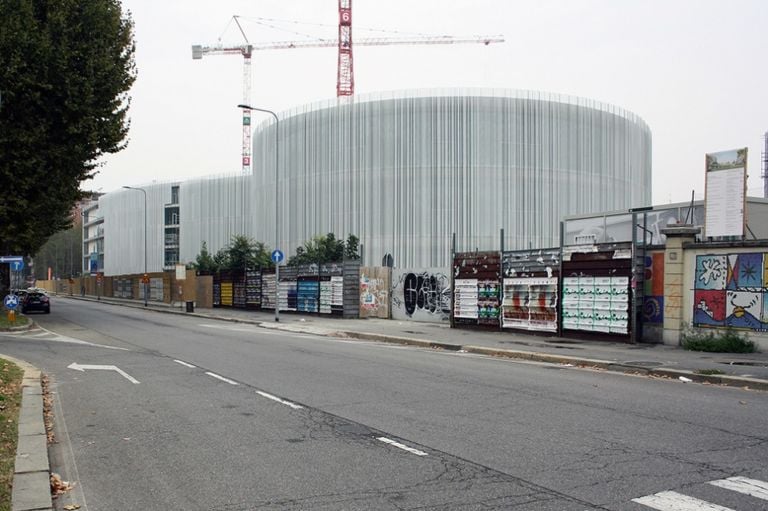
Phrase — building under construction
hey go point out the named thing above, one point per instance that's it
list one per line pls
(403, 171)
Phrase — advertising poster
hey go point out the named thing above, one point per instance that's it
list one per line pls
(726, 174)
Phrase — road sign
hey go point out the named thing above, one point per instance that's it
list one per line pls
(10, 259)
(11, 302)
(17, 265)
(277, 256)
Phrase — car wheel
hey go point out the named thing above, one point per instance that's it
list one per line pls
(23, 310)
(48, 310)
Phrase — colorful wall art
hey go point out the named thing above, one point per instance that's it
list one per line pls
(731, 291)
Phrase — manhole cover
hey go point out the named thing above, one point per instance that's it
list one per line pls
(643, 363)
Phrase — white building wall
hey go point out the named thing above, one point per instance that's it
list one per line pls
(123, 212)
(213, 210)
(403, 171)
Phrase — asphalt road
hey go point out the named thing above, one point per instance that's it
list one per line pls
(234, 417)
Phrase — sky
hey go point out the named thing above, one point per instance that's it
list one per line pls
(694, 70)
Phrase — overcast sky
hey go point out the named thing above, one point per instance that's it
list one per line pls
(695, 70)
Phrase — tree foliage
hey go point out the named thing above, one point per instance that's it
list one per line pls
(326, 249)
(241, 253)
(65, 71)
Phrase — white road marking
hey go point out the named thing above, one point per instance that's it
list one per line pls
(260, 330)
(47, 335)
(752, 487)
(226, 380)
(82, 368)
(401, 446)
(184, 363)
(673, 501)
(282, 401)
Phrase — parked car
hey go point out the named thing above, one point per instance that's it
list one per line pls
(22, 294)
(36, 301)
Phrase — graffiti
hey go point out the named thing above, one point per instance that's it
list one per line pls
(422, 294)
(730, 291)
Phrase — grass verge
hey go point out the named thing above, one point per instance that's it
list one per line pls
(727, 341)
(10, 404)
(4, 323)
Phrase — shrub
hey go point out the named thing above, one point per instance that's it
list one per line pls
(727, 341)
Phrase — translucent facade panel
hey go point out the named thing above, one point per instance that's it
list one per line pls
(405, 171)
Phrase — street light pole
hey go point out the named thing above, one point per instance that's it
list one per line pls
(277, 202)
(145, 238)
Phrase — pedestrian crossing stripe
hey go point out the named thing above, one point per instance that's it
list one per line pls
(674, 501)
(751, 487)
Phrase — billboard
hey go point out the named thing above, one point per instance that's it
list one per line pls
(725, 198)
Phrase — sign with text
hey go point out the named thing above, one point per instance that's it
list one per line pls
(725, 198)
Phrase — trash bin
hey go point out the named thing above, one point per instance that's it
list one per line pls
(190, 306)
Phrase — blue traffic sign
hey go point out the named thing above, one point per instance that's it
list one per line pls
(11, 301)
(17, 265)
(10, 259)
(277, 256)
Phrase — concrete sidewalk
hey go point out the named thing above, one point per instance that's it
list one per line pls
(742, 370)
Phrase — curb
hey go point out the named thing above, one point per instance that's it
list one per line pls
(615, 367)
(32, 468)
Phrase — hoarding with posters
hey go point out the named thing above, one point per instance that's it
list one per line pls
(726, 176)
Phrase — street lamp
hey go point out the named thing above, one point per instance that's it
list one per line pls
(277, 202)
(145, 237)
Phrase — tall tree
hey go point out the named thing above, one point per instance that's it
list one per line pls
(65, 71)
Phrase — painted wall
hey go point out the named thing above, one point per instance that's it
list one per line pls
(728, 289)
(421, 294)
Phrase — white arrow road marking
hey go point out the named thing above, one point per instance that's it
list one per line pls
(673, 501)
(751, 487)
(401, 446)
(82, 368)
(47, 335)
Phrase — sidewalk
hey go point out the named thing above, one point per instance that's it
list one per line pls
(741, 370)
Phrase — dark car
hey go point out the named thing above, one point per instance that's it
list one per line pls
(36, 301)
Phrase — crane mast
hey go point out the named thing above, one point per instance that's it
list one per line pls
(345, 79)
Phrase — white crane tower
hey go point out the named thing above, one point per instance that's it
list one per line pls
(345, 75)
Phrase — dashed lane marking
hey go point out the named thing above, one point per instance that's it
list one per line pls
(279, 400)
(401, 446)
(184, 363)
(218, 377)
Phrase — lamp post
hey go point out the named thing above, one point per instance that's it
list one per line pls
(277, 202)
(142, 190)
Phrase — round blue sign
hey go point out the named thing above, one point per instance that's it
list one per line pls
(277, 256)
(17, 265)
(11, 301)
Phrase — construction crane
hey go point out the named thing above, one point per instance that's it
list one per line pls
(345, 80)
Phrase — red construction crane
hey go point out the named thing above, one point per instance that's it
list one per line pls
(345, 79)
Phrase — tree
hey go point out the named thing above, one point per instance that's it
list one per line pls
(204, 262)
(65, 71)
(241, 253)
(325, 249)
(352, 248)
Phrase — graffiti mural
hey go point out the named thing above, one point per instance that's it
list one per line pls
(730, 291)
(421, 295)
(653, 299)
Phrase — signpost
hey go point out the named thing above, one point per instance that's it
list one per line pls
(11, 302)
(277, 258)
